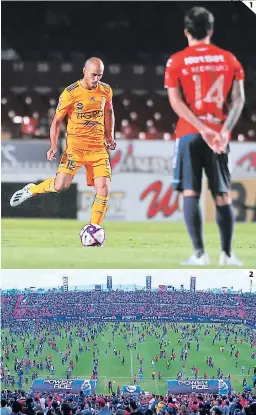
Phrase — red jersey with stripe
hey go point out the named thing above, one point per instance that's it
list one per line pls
(205, 74)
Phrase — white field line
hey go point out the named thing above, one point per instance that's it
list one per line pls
(131, 358)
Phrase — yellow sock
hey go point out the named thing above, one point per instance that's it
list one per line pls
(44, 187)
(99, 209)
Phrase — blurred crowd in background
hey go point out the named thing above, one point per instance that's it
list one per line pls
(94, 304)
(134, 42)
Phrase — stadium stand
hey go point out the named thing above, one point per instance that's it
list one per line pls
(36, 68)
(99, 304)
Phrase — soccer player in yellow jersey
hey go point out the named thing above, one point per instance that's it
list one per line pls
(90, 132)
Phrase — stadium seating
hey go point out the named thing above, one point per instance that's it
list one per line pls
(141, 105)
(91, 304)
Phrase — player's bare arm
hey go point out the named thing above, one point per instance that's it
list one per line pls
(237, 104)
(54, 135)
(110, 126)
(183, 111)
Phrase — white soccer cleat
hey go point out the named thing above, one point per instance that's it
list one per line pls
(21, 195)
(193, 260)
(229, 260)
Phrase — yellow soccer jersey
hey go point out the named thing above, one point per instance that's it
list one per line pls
(85, 110)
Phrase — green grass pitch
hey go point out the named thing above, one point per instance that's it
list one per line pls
(42, 243)
(110, 367)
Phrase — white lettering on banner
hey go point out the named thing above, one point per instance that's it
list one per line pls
(200, 387)
(149, 157)
(116, 208)
(26, 155)
(141, 184)
(111, 318)
(129, 156)
(142, 197)
(195, 383)
(191, 60)
(126, 159)
(8, 153)
(59, 384)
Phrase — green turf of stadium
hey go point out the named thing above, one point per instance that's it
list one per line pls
(110, 368)
(33, 243)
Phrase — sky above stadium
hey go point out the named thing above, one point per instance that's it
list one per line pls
(238, 279)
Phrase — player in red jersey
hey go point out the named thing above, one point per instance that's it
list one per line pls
(199, 80)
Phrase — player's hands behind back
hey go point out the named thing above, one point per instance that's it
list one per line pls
(213, 139)
(224, 135)
(110, 143)
(51, 153)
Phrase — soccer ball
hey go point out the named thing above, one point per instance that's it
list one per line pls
(92, 235)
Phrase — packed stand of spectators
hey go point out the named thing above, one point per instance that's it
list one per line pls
(19, 402)
(95, 304)
(61, 38)
(8, 303)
